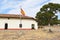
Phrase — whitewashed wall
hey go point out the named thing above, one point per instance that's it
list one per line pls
(14, 23)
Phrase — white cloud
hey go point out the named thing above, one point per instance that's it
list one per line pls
(26, 5)
(55, 1)
(29, 7)
(14, 11)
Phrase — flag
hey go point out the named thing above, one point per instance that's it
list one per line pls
(22, 12)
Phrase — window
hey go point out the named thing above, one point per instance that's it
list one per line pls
(20, 25)
(8, 18)
(32, 26)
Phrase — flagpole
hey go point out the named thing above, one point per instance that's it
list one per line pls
(20, 19)
(23, 14)
(20, 16)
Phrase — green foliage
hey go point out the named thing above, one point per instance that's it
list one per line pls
(53, 7)
(46, 15)
(58, 21)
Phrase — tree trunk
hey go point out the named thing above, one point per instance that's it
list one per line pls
(49, 24)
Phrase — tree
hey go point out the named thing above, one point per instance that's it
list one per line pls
(58, 21)
(46, 15)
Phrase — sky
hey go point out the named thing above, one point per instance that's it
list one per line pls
(31, 7)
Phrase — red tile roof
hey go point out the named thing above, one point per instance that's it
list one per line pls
(14, 16)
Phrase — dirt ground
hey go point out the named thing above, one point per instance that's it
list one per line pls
(40, 34)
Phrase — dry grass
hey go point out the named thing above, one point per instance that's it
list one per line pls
(40, 34)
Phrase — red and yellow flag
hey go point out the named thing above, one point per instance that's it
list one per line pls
(22, 12)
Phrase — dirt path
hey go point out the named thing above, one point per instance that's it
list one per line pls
(39, 34)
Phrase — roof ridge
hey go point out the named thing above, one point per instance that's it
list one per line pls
(14, 16)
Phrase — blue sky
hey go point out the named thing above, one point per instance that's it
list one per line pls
(31, 7)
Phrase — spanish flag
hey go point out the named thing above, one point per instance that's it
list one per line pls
(22, 12)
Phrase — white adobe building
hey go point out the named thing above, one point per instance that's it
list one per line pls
(12, 21)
